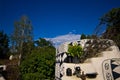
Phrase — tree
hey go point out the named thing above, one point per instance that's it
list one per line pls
(39, 65)
(112, 18)
(23, 33)
(83, 36)
(4, 43)
(41, 42)
(27, 49)
(112, 22)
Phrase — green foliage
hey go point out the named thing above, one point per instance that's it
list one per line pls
(31, 76)
(112, 20)
(83, 36)
(4, 43)
(88, 36)
(39, 65)
(41, 42)
(75, 50)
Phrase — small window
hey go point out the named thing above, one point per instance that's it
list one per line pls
(91, 75)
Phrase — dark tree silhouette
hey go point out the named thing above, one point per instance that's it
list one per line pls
(4, 43)
(109, 26)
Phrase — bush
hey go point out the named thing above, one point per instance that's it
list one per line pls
(75, 50)
(39, 65)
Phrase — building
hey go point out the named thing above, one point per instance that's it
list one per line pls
(102, 61)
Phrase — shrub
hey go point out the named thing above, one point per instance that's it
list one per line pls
(75, 50)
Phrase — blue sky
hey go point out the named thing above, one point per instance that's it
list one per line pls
(54, 18)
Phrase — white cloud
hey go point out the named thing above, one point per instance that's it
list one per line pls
(64, 38)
